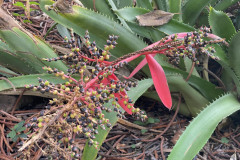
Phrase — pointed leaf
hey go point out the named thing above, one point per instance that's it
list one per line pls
(160, 81)
(175, 7)
(202, 127)
(221, 24)
(192, 9)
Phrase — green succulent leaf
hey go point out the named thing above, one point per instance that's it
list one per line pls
(112, 4)
(101, 6)
(192, 9)
(194, 100)
(90, 153)
(144, 4)
(122, 3)
(99, 27)
(207, 89)
(6, 72)
(175, 7)
(32, 46)
(63, 31)
(234, 54)
(224, 4)
(162, 4)
(17, 63)
(221, 24)
(201, 128)
(21, 81)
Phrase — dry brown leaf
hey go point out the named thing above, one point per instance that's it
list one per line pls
(154, 18)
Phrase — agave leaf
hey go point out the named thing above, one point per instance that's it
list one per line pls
(101, 6)
(160, 81)
(6, 72)
(21, 81)
(234, 56)
(192, 9)
(112, 4)
(221, 24)
(90, 153)
(223, 5)
(25, 43)
(123, 3)
(63, 31)
(194, 100)
(205, 88)
(175, 7)
(147, 32)
(183, 109)
(15, 62)
(21, 41)
(144, 4)
(99, 27)
(162, 5)
(201, 128)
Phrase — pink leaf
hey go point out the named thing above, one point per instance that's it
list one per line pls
(160, 81)
(140, 66)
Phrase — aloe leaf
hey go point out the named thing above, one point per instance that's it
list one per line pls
(214, 2)
(101, 6)
(174, 26)
(147, 32)
(21, 81)
(224, 4)
(123, 3)
(192, 9)
(194, 100)
(201, 128)
(90, 153)
(175, 7)
(144, 4)
(207, 89)
(221, 24)
(24, 42)
(63, 31)
(16, 63)
(111, 3)
(162, 5)
(234, 54)
(6, 72)
(99, 27)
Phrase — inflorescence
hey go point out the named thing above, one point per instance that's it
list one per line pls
(80, 103)
(78, 107)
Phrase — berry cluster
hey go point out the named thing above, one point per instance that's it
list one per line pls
(78, 110)
(194, 46)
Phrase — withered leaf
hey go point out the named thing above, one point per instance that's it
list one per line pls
(154, 18)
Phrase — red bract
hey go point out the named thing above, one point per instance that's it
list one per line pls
(160, 81)
(156, 70)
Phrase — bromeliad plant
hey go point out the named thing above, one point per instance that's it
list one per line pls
(79, 107)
